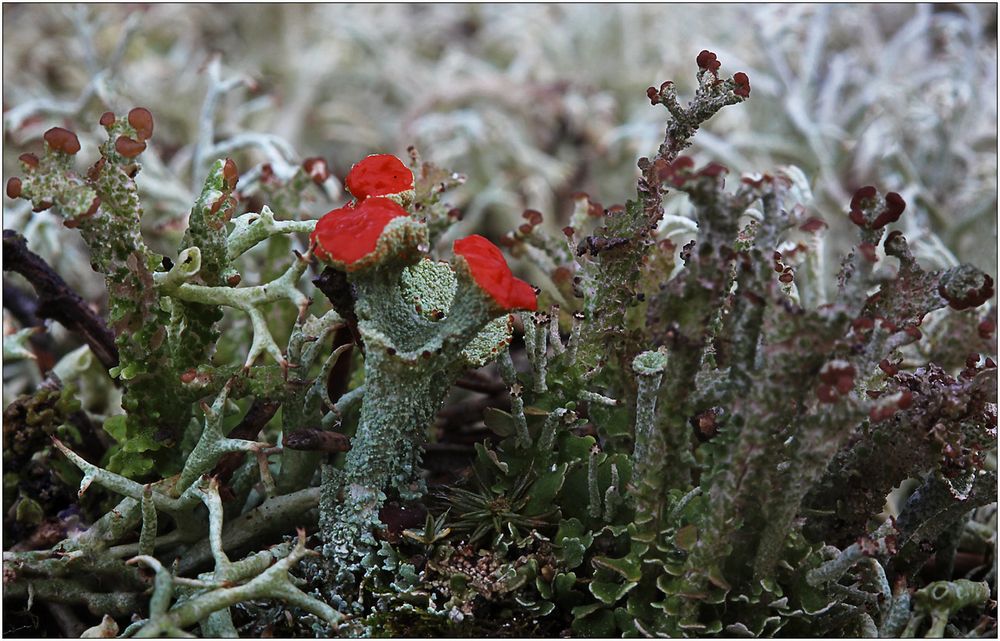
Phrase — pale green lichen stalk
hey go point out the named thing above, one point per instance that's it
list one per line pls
(422, 325)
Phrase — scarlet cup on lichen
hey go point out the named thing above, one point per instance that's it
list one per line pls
(490, 271)
(350, 233)
(379, 175)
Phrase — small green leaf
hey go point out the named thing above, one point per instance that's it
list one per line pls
(563, 584)
(610, 592)
(544, 490)
(593, 621)
(686, 537)
(572, 553)
(29, 512)
(627, 567)
(499, 422)
(115, 426)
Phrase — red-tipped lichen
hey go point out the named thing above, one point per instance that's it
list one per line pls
(379, 175)
(348, 234)
(142, 121)
(63, 140)
(490, 271)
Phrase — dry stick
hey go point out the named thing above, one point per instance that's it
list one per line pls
(57, 300)
(478, 382)
(260, 412)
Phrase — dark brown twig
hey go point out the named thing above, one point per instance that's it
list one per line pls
(253, 422)
(479, 382)
(334, 285)
(56, 300)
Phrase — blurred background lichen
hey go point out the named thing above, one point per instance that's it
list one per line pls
(537, 102)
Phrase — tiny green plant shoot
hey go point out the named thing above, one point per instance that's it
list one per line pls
(687, 430)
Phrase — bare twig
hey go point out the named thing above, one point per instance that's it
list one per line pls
(56, 300)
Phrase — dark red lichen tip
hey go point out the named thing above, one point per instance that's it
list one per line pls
(866, 193)
(63, 140)
(708, 61)
(30, 160)
(317, 169)
(742, 82)
(14, 187)
(142, 121)
(230, 174)
(128, 147)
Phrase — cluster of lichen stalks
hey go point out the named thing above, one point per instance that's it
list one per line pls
(701, 454)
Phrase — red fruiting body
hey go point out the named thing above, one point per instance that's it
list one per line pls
(894, 206)
(230, 174)
(677, 172)
(94, 204)
(128, 147)
(107, 119)
(858, 218)
(568, 231)
(490, 271)
(894, 243)
(95, 170)
(31, 160)
(653, 95)
(971, 298)
(379, 175)
(905, 400)
(888, 325)
(787, 277)
(986, 328)
(348, 234)
(742, 83)
(709, 62)
(14, 188)
(826, 394)
(713, 170)
(813, 224)
(142, 121)
(886, 366)
(839, 374)
(778, 267)
(862, 195)
(317, 169)
(862, 324)
(62, 140)
(533, 217)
